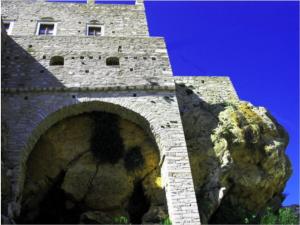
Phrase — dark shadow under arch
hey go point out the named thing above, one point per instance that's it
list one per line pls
(92, 107)
(73, 110)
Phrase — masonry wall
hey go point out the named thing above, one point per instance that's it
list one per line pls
(143, 61)
(209, 89)
(118, 20)
(156, 111)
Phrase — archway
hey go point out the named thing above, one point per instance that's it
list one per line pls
(92, 166)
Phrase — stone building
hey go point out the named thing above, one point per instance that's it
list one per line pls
(64, 60)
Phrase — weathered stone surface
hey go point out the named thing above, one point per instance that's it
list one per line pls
(103, 190)
(156, 214)
(110, 188)
(238, 161)
(53, 153)
(79, 177)
(96, 217)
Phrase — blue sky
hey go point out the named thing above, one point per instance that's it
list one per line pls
(255, 43)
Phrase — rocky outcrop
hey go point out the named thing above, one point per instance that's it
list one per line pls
(66, 181)
(237, 157)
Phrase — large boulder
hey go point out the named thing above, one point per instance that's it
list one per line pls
(237, 156)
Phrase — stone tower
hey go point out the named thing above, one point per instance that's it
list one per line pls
(60, 60)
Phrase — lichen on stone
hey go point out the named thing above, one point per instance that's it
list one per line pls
(238, 162)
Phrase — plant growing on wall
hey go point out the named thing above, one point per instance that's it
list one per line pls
(120, 220)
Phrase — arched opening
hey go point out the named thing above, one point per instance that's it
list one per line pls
(94, 22)
(94, 167)
(57, 61)
(48, 19)
(112, 61)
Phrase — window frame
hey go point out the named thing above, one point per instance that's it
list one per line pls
(46, 23)
(94, 25)
(11, 25)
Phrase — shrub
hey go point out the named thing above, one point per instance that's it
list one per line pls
(285, 216)
(166, 221)
(269, 217)
(120, 220)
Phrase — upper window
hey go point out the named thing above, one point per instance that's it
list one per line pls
(46, 28)
(8, 25)
(94, 30)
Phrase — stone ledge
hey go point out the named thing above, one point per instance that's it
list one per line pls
(85, 89)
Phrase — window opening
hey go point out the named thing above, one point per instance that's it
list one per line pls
(57, 61)
(46, 28)
(112, 61)
(8, 25)
(94, 30)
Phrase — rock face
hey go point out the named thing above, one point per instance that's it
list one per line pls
(67, 182)
(237, 157)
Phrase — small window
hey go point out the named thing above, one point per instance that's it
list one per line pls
(57, 61)
(46, 28)
(112, 61)
(94, 30)
(8, 25)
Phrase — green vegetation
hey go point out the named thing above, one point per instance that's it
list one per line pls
(166, 221)
(287, 216)
(284, 216)
(121, 220)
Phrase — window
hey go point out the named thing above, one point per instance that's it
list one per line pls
(112, 61)
(46, 28)
(8, 25)
(57, 61)
(94, 30)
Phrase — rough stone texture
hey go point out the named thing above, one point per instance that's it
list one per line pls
(36, 117)
(103, 189)
(237, 156)
(143, 61)
(36, 96)
(140, 89)
(72, 18)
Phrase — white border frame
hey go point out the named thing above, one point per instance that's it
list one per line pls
(94, 25)
(11, 25)
(46, 22)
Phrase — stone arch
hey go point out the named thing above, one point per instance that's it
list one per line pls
(72, 110)
(50, 19)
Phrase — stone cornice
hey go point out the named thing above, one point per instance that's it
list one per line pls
(89, 89)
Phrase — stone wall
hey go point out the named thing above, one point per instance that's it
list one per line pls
(118, 20)
(143, 61)
(156, 112)
(210, 89)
